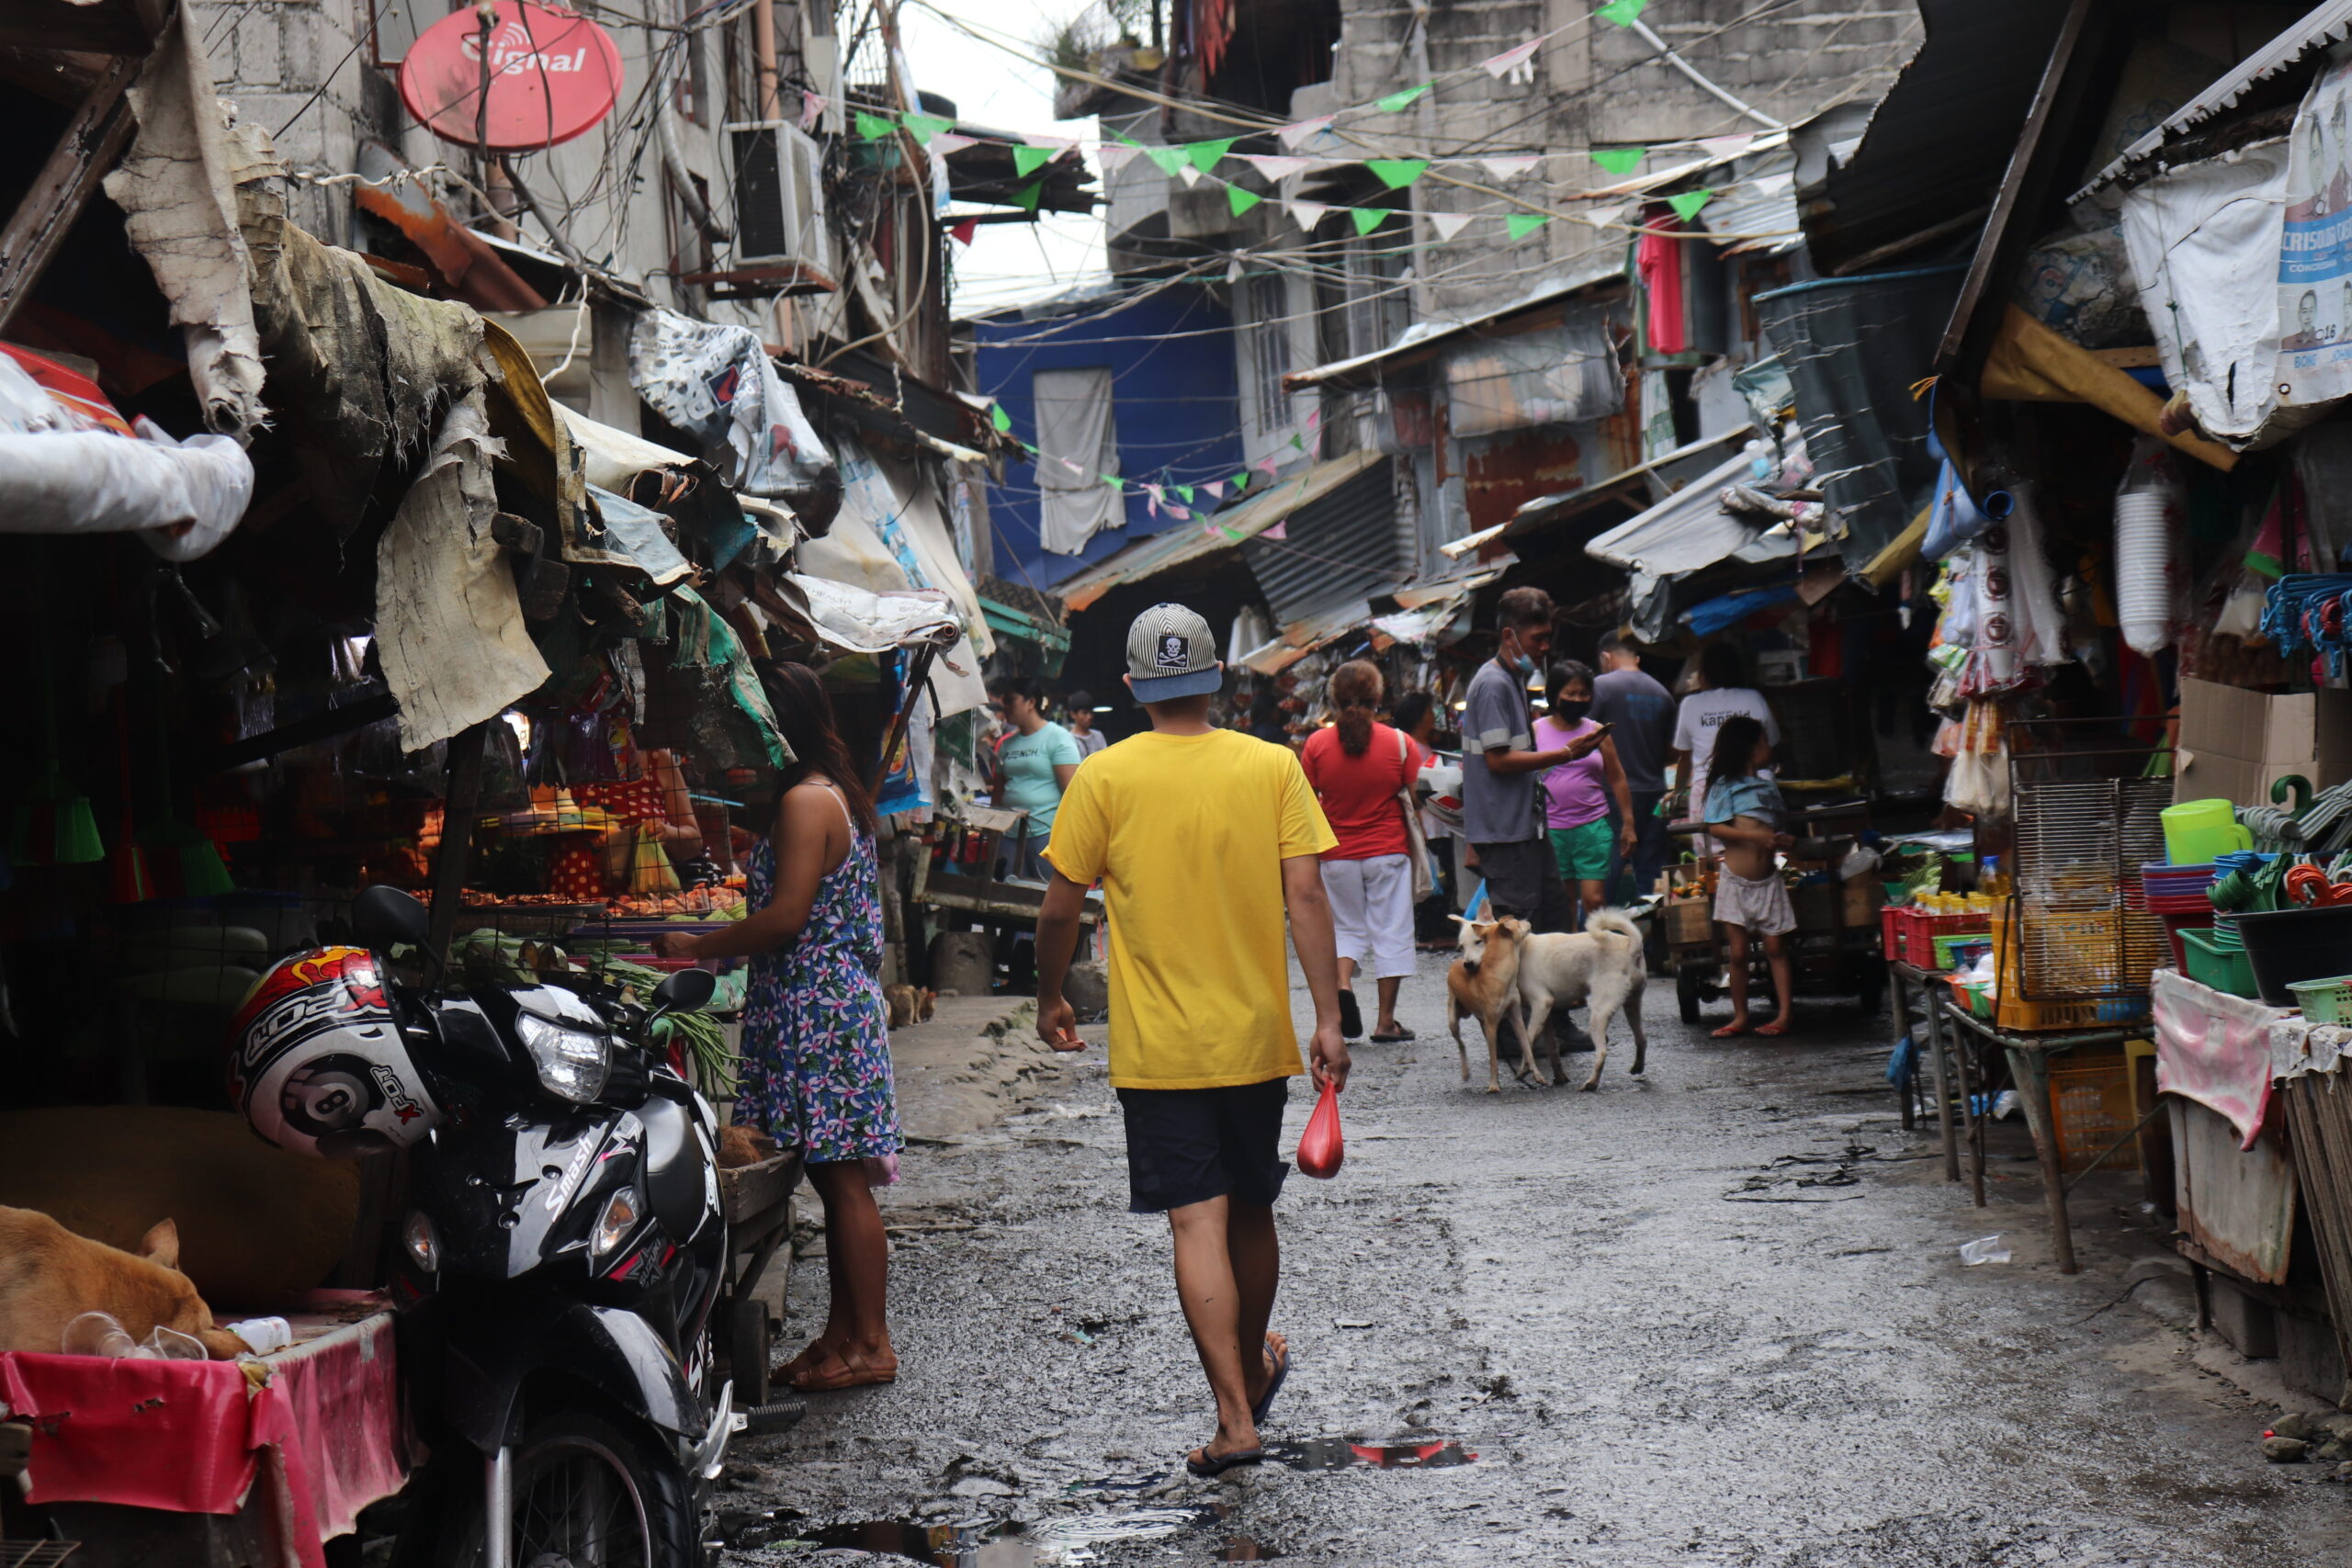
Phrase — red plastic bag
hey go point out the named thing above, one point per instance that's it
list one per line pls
(1320, 1147)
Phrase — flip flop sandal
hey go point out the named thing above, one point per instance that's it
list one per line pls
(1396, 1039)
(1273, 1385)
(1209, 1466)
(853, 1374)
(1775, 1031)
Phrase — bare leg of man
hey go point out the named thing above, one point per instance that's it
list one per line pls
(1219, 1308)
(1388, 988)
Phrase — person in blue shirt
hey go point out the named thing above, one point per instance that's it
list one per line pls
(1035, 765)
(1744, 812)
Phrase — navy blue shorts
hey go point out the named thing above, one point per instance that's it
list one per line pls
(1187, 1145)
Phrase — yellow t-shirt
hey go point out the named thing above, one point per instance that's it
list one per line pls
(1187, 834)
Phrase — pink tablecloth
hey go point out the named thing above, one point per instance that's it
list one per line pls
(2214, 1049)
(192, 1437)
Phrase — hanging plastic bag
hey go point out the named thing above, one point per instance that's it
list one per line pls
(1320, 1147)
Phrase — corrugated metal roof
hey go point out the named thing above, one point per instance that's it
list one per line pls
(2323, 26)
(1686, 531)
(1202, 536)
(1339, 548)
(1940, 142)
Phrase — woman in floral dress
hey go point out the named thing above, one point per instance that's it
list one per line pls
(816, 1051)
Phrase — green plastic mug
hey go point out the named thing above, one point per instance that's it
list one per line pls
(2199, 831)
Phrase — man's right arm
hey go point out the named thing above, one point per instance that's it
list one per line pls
(1058, 919)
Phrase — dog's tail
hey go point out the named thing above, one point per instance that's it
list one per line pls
(1614, 921)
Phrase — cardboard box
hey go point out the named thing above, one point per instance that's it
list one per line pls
(2235, 744)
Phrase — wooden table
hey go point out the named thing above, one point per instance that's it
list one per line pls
(2029, 1062)
(986, 896)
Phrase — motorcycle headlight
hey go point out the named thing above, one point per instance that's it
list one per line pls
(572, 1063)
(614, 1225)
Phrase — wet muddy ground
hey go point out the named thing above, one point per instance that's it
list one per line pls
(1716, 1314)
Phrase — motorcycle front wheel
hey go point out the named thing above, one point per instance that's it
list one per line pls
(589, 1493)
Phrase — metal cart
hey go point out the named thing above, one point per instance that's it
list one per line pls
(1834, 950)
(758, 1203)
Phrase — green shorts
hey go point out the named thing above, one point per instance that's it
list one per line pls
(1582, 853)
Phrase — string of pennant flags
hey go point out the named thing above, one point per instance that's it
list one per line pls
(1181, 502)
(1195, 161)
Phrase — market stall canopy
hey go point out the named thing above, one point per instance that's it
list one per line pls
(1690, 530)
(1940, 142)
(1655, 479)
(849, 619)
(613, 456)
(1148, 557)
(2322, 26)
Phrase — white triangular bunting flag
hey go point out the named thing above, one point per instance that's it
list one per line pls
(1191, 175)
(950, 141)
(1510, 60)
(1510, 168)
(1274, 166)
(1232, 271)
(1295, 135)
(1726, 146)
(1308, 214)
(1113, 155)
(1448, 224)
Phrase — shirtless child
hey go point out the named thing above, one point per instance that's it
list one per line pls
(1744, 812)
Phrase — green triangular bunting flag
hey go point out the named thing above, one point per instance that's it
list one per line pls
(1170, 159)
(1405, 100)
(1687, 204)
(1624, 13)
(923, 127)
(999, 418)
(1367, 218)
(1027, 161)
(1205, 154)
(1241, 201)
(1026, 198)
(873, 127)
(1186, 491)
(1396, 172)
(1114, 482)
(1241, 481)
(1619, 159)
(1522, 224)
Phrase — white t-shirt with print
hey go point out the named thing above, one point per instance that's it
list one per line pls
(1701, 714)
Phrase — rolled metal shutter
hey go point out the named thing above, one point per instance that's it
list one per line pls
(1341, 547)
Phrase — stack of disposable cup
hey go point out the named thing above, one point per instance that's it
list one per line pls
(2143, 568)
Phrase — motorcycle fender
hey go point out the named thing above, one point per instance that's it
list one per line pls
(486, 1361)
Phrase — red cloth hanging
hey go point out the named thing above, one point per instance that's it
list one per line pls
(1659, 260)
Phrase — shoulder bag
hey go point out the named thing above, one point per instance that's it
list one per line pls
(1416, 843)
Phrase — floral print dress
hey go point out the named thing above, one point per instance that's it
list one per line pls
(816, 1043)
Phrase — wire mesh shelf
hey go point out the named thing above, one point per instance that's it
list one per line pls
(2087, 821)
(34, 1554)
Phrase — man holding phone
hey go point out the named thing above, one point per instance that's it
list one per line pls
(1577, 794)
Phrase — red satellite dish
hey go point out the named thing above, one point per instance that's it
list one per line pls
(552, 74)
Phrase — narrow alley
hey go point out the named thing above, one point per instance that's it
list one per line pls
(1715, 1314)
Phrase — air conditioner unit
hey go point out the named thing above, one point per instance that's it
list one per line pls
(780, 206)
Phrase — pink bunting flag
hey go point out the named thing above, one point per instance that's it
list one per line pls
(948, 141)
(1295, 134)
(1181, 514)
(1065, 463)
(1215, 488)
(1314, 420)
(1512, 168)
(812, 108)
(1308, 214)
(1113, 155)
(1267, 466)
(1501, 65)
(1726, 146)
(1278, 531)
(1448, 224)
(1273, 166)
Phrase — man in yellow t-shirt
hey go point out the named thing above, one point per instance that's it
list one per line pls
(1203, 839)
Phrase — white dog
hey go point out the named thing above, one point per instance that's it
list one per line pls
(1600, 966)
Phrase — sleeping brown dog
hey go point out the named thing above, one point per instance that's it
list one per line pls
(49, 1276)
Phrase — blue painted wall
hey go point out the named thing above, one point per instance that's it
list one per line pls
(1175, 407)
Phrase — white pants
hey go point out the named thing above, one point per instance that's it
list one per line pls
(1372, 910)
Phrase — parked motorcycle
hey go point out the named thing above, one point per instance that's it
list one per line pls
(563, 1250)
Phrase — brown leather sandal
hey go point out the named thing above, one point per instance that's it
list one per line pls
(851, 1374)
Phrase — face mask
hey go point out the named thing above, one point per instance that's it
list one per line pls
(1519, 659)
(1571, 712)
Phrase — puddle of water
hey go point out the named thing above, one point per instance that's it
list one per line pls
(1071, 1540)
(1342, 1453)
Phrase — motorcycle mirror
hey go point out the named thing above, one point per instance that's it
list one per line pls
(384, 916)
(685, 991)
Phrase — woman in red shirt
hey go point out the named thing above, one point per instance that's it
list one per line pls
(1357, 767)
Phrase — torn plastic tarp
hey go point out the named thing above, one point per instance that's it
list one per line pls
(737, 730)
(177, 190)
(448, 626)
(1690, 530)
(851, 620)
(895, 501)
(638, 529)
(613, 456)
(60, 473)
(718, 384)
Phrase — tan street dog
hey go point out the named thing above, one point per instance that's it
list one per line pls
(1600, 968)
(49, 1276)
(1482, 984)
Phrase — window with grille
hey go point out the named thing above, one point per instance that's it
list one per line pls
(1270, 350)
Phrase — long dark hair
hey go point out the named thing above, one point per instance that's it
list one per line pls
(1734, 746)
(1355, 692)
(804, 715)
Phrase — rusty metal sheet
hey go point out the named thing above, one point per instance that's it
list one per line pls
(2239, 1207)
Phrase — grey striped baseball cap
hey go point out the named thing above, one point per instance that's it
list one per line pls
(1171, 653)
